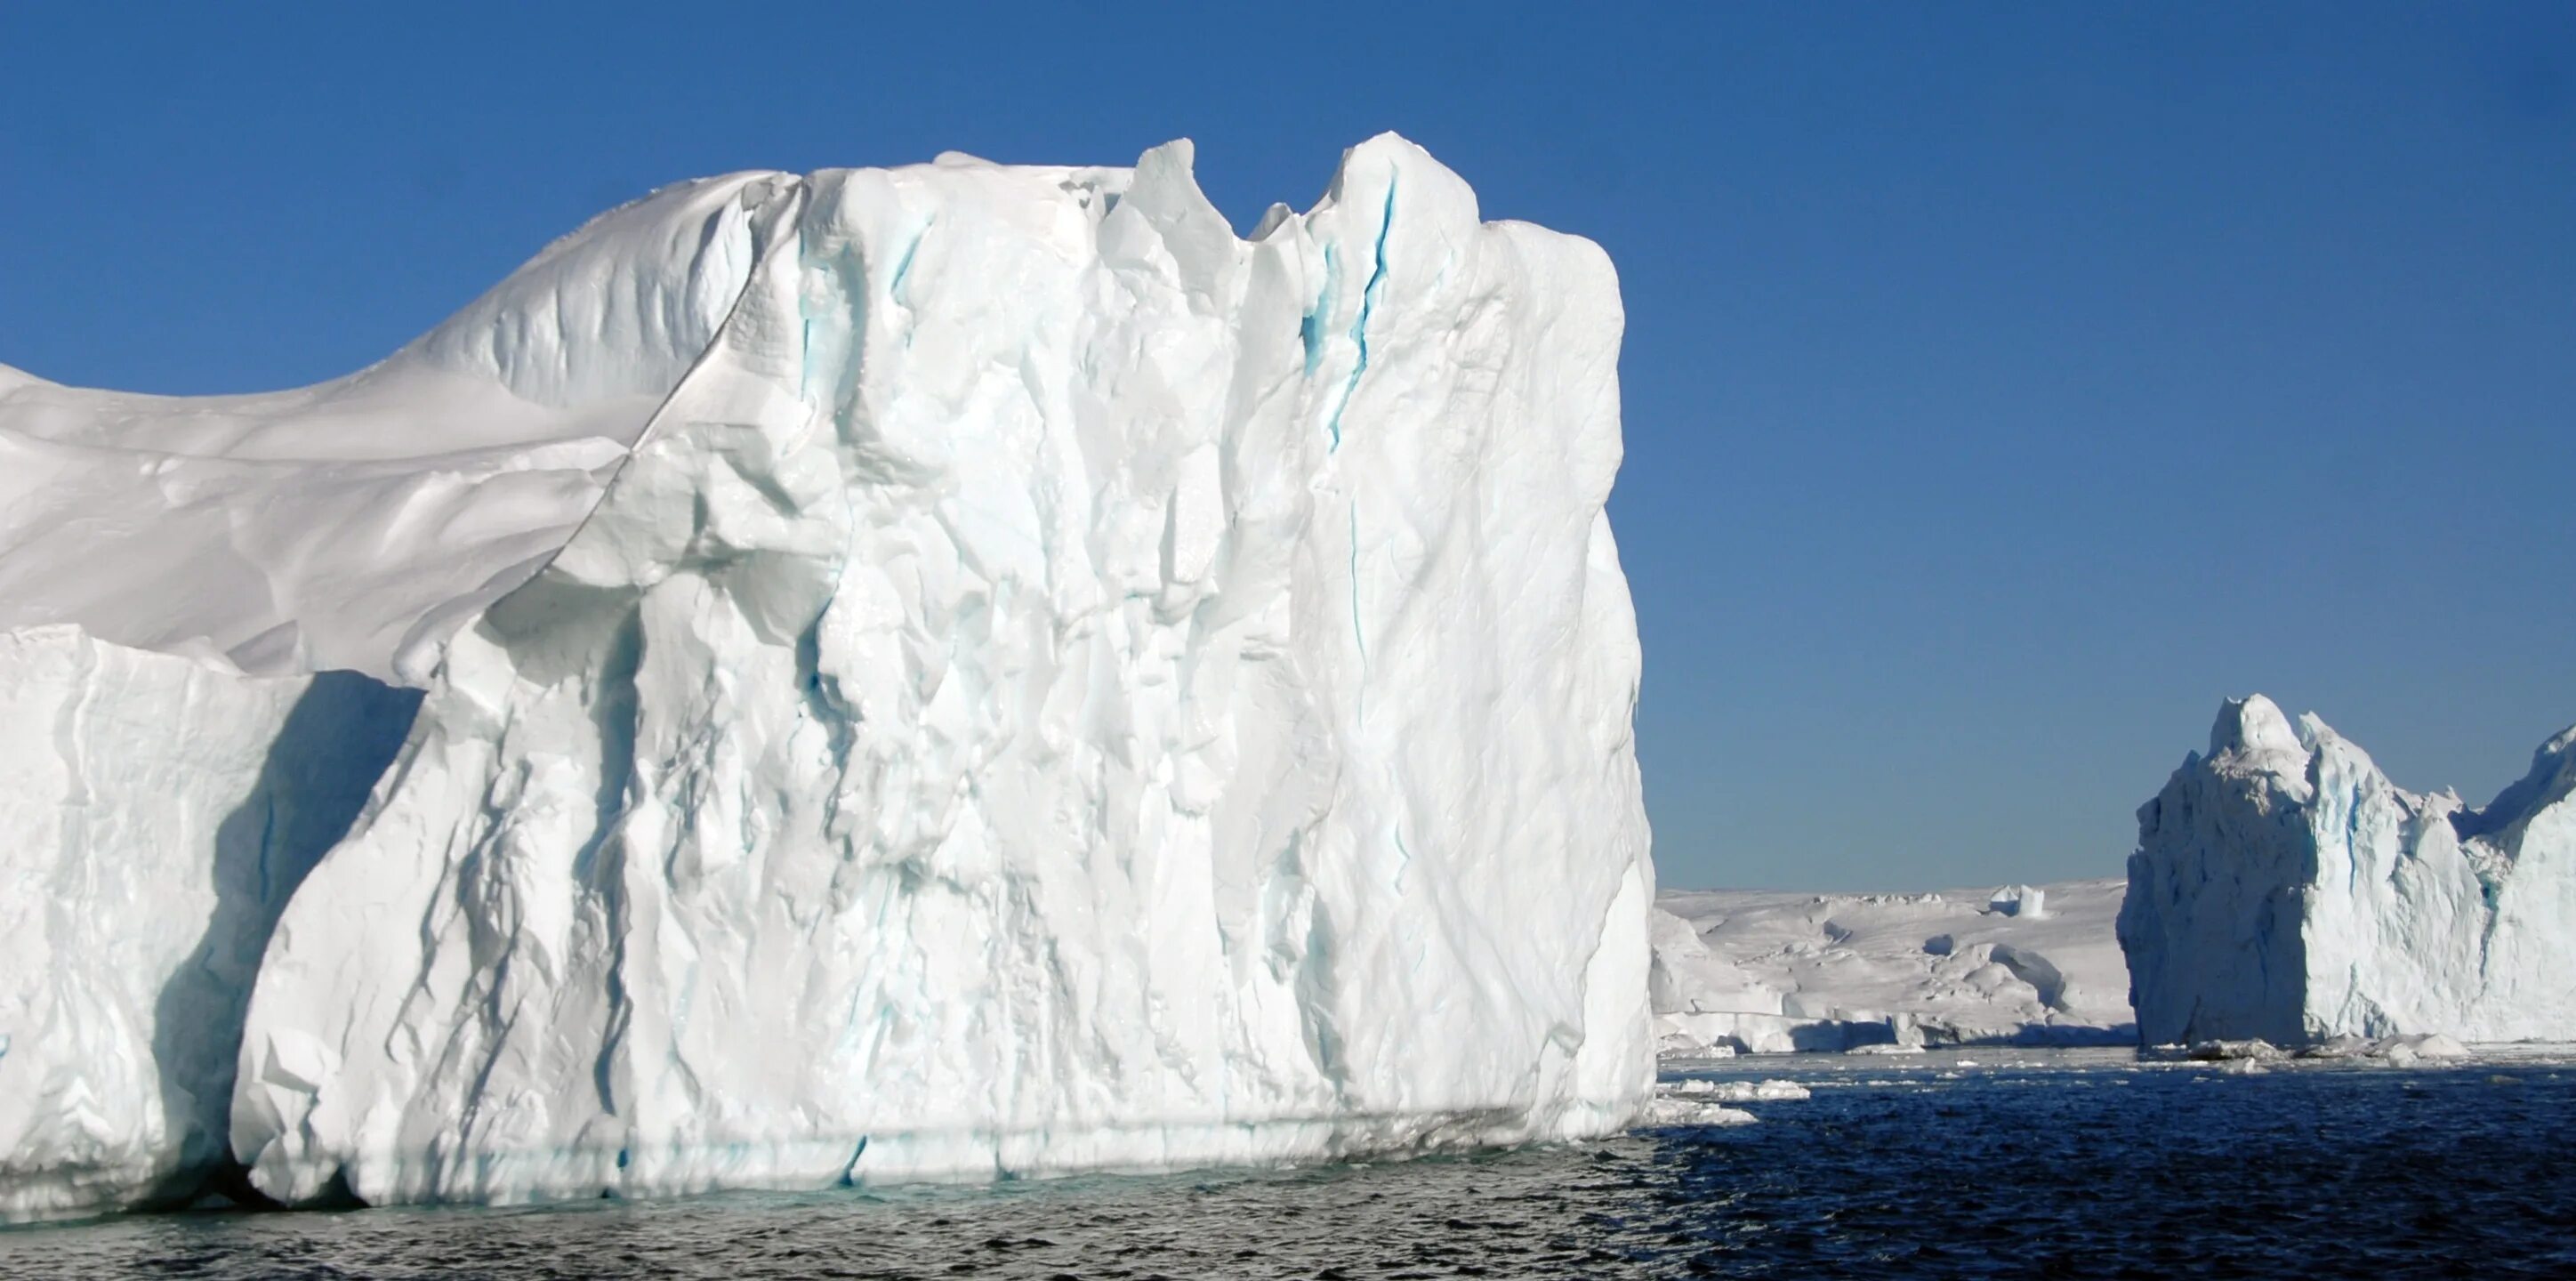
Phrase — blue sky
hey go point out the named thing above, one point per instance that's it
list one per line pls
(2005, 384)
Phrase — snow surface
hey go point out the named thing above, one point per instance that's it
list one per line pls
(1762, 972)
(2284, 889)
(1051, 686)
(357, 523)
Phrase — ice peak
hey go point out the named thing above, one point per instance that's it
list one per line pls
(2254, 724)
(2298, 897)
(2550, 781)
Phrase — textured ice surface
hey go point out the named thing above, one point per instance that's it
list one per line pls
(1761, 971)
(157, 805)
(1049, 685)
(1055, 687)
(154, 816)
(2284, 889)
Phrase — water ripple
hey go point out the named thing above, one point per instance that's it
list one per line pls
(2054, 1166)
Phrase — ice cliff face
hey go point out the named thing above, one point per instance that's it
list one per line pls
(1053, 686)
(2284, 889)
(154, 816)
(173, 574)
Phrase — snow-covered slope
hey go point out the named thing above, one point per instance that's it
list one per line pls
(1762, 972)
(357, 523)
(1054, 686)
(2284, 889)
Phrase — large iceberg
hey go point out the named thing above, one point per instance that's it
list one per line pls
(2284, 889)
(1045, 684)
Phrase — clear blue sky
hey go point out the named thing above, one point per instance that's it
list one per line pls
(2005, 384)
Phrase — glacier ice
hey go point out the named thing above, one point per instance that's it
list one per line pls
(944, 672)
(2284, 889)
(2020, 900)
(1765, 972)
(196, 598)
(154, 816)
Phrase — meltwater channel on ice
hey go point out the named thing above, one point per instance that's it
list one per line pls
(938, 672)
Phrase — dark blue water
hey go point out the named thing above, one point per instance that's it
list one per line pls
(2028, 1165)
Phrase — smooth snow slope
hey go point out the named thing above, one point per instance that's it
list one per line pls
(1761, 971)
(357, 523)
(1056, 687)
(2284, 889)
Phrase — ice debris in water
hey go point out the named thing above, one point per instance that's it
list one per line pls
(1672, 1110)
(1697, 1101)
(1736, 1091)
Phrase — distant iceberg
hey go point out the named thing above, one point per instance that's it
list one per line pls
(2284, 889)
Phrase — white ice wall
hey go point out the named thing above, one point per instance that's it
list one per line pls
(1056, 687)
(154, 816)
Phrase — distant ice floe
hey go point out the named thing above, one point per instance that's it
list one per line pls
(2399, 1050)
(1671, 1111)
(1735, 1091)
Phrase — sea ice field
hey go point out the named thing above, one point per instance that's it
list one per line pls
(1766, 971)
(1950, 1163)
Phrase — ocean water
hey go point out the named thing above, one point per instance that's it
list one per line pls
(1984, 1163)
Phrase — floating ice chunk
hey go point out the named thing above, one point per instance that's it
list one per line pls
(1736, 1091)
(2406, 1051)
(2344, 1046)
(1690, 1112)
